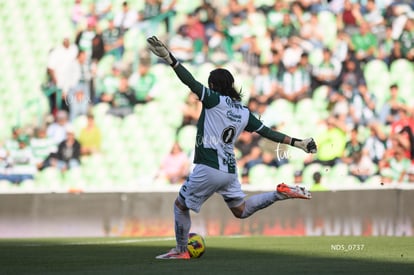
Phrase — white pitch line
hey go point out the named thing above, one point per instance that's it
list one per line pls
(237, 237)
(100, 242)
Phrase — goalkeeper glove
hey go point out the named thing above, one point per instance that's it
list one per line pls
(160, 50)
(308, 145)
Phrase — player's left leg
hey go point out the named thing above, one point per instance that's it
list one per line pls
(245, 208)
(201, 185)
(182, 228)
(182, 224)
(293, 192)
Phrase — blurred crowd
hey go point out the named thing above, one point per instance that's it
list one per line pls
(291, 51)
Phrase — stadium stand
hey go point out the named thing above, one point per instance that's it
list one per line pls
(133, 147)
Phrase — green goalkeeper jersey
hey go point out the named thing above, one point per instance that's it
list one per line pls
(221, 122)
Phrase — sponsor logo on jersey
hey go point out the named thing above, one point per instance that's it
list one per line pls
(234, 117)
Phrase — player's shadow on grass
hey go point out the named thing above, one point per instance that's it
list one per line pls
(55, 258)
(228, 261)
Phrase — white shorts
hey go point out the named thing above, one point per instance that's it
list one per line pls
(204, 181)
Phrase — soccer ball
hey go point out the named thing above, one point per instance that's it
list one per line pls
(196, 245)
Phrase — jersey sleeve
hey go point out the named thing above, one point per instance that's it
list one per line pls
(208, 97)
(253, 124)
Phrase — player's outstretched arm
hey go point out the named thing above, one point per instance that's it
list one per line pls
(160, 50)
(308, 145)
(255, 125)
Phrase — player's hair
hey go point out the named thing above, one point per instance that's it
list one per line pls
(222, 81)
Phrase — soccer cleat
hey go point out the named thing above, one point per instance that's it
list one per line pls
(293, 192)
(173, 254)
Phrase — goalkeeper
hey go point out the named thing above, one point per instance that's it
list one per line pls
(222, 119)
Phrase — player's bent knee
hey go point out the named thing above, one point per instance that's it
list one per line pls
(181, 205)
(238, 211)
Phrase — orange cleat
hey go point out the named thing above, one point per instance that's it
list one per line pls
(173, 254)
(293, 192)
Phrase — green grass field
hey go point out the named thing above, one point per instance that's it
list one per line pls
(224, 255)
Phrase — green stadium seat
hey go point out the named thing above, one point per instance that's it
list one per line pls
(285, 173)
(105, 64)
(99, 110)
(148, 168)
(5, 186)
(110, 123)
(377, 75)
(94, 171)
(134, 39)
(280, 110)
(140, 154)
(338, 172)
(73, 179)
(79, 123)
(262, 174)
(187, 6)
(373, 181)
(49, 178)
(161, 69)
(259, 3)
(328, 20)
(351, 182)
(305, 111)
(400, 67)
(112, 145)
(4, 124)
(173, 118)
(26, 186)
(186, 137)
(405, 82)
(296, 156)
(283, 105)
(121, 172)
(320, 98)
(378, 79)
(363, 133)
(131, 120)
(258, 26)
(315, 57)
